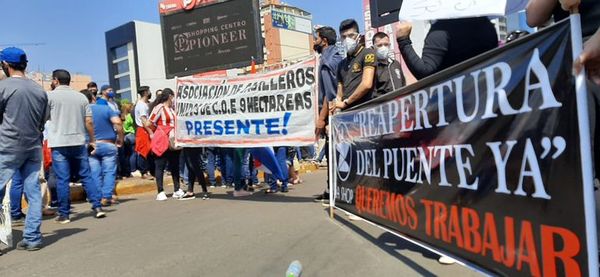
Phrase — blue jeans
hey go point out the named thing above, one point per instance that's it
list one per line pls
(183, 169)
(248, 171)
(103, 166)
(124, 156)
(211, 164)
(281, 155)
(28, 165)
(61, 156)
(16, 191)
(227, 166)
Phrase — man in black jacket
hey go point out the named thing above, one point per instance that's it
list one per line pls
(389, 72)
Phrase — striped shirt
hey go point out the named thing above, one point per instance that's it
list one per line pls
(162, 116)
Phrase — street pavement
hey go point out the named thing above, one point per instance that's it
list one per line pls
(255, 236)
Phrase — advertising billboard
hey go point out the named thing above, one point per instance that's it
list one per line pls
(210, 35)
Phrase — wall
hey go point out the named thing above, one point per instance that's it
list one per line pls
(150, 58)
(294, 45)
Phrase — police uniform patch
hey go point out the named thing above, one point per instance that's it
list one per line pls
(370, 58)
(356, 67)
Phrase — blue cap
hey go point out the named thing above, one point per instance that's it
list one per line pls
(104, 87)
(13, 55)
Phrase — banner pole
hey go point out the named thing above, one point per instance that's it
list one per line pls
(330, 168)
(585, 148)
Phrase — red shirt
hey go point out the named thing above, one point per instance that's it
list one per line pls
(163, 116)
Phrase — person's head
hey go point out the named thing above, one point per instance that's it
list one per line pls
(60, 77)
(13, 61)
(88, 95)
(381, 43)
(144, 91)
(324, 37)
(350, 35)
(165, 97)
(126, 108)
(92, 87)
(107, 92)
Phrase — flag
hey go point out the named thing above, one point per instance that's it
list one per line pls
(253, 66)
(265, 160)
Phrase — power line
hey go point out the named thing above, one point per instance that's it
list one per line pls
(23, 44)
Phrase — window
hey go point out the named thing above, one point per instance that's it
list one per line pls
(122, 67)
(125, 95)
(124, 82)
(120, 52)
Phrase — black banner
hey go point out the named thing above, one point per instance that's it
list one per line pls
(223, 35)
(481, 161)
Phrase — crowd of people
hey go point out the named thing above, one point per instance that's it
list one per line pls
(90, 137)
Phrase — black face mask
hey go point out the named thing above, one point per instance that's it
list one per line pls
(318, 48)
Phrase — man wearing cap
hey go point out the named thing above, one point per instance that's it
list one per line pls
(23, 109)
(108, 94)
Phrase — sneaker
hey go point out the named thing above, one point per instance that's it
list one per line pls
(223, 185)
(22, 245)
(322, 198)
(62, 220)
(205, 196)
(187, 196)
(241, 193)
(161, 196)
(178, 194)
(284, 190)
(213, 186)
(99, 213)
(445, 260)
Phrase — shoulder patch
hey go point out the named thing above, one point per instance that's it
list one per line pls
(370, 58)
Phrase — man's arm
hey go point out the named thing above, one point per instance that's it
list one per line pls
(89, 125)
(147, 124)
(118, 125)
(364, 87)
(590, 58)
(539, 11)
(434, 50)
(338, 98)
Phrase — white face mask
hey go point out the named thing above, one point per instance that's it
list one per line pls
(350, 45)
(383, 52)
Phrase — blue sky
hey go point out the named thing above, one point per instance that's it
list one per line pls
(72, 31)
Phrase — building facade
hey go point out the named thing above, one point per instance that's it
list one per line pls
(287, 32)
(135, 54)
(135, 58)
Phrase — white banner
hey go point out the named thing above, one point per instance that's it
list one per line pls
(441, 9)
(276, 108)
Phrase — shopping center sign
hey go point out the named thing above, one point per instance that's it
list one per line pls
(207, 35)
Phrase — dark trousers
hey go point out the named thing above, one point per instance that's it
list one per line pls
(193, 160)
(171, 158)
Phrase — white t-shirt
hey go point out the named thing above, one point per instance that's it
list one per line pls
(141, 109)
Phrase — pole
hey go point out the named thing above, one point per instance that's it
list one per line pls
(585, 148)
(330, 165)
